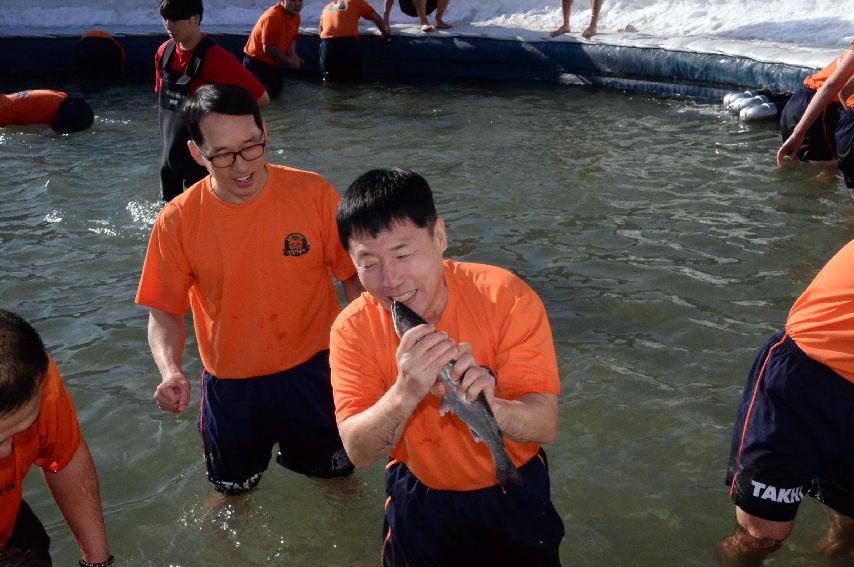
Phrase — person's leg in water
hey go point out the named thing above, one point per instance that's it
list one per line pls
(838, 542)
(753, 539)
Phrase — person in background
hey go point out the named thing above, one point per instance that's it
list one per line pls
(566, 8)
(64, 114)
(339, 38)
(99, 56)
(443, 505)
(38, 425)
(792, 435)
(421, 9)
(817, 123)
(251, 250)
(272, 44)
(182, 64)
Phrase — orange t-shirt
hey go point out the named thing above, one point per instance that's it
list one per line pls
(30, 107)
(50, 442)
(821, 321)
(340, 18)
(506, 324)
(275, 27)
(816, 80)
(257, 275)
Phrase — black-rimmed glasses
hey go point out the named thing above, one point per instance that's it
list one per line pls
(249, 153)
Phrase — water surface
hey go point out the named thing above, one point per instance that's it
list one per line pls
(663, 241)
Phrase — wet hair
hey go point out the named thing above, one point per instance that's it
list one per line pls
(23, 362)
(181, 9)
(222, 99)
(381, 198)
(74, 114)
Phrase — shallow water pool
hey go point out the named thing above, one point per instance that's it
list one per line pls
(661, 237)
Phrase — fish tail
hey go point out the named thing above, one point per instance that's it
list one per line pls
(508, 476)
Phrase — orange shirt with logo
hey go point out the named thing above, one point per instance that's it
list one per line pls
(275, 27)
(821, 321)
(50, 443)
(30, 107)
(816, 80)
(340, 18)
(506, 324)
(258, 275)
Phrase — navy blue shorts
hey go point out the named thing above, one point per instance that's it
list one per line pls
(340, 59)
(29, 543)
(830, 137)
(793, 436)
(241, 420)
(427, 527)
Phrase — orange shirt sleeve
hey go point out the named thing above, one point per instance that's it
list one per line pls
(338, 259)
(526, 360)
(57, 427)
(166, 273)
(821, 321)
(271, 30)
(357, 379)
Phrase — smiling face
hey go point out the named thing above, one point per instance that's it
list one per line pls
(404, 263)
(244, 179)
(16, 421)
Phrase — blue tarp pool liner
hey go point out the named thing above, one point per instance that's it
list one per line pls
(645, 69)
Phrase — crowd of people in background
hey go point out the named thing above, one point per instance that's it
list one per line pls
(329, 405)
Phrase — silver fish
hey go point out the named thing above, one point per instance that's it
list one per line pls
(477, 414)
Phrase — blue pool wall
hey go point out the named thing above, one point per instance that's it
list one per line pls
(641, 69)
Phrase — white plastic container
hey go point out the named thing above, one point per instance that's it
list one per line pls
(758, 112)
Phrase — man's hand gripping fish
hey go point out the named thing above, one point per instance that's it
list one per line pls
(477, 414)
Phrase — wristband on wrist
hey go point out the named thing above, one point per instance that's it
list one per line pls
(107, 563)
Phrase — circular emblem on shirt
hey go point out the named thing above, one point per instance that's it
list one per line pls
(296, 244)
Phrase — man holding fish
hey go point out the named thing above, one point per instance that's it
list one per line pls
(451, 499)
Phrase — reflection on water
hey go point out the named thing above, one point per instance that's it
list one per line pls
(662, 239)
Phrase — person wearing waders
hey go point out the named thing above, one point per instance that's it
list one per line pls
(185, 62)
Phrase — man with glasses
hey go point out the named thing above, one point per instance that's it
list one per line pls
(251, 250)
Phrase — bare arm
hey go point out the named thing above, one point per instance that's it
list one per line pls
(373, 433)
(380, 24)
(166, 338)
(530, 419)
(822, 98)
(289, 57)
(75, 490)
(352, 288)
(533, 418)
(274, 53)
